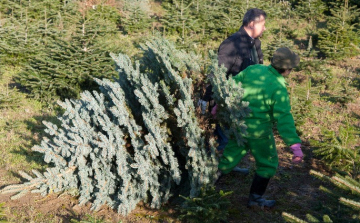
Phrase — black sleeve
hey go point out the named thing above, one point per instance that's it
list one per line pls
(259, 52)
(227, 54)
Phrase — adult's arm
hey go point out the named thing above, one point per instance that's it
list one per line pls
(259, 51)
(227, 54)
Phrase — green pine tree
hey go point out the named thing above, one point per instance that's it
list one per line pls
(2, 214)
(338, 149)
(19, 41)
(71, 59)
(340, 38)
(311, 10)
(135, 16)
(281, 40)
(180, 19)
(27, 27)
(210, 203)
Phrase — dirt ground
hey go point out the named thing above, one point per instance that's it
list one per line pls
(293, 188)
(64, 208)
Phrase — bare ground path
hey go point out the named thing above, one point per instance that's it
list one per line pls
(293, 188)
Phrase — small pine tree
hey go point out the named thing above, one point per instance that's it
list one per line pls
(311, 10)
(230, 18)
(67, 66)
(291, 218)
(135, 16)
(2, 214)
(181, 18)
(344, 184)
(340, 38)
(313, 67)
(19, 41)
(27, 27)
(210, 203)
(9, 97)
(338, 149)
(65, 69)
(280, 41)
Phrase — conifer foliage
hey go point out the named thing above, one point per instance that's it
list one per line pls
(72, 56)
(135, 16)
(23, 36)
(137, 140)
(344, 184)
(231, 108)
(340, 39)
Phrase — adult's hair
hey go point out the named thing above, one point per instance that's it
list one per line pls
(252, 15)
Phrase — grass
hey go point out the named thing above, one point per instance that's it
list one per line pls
(295, 190)
(20, 129)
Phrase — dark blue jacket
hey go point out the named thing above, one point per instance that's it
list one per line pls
(235, 54)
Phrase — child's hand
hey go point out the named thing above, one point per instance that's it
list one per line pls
(298, 154)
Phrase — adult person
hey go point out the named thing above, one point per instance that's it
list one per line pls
(236, 53)
(265, 90)
(242, 48)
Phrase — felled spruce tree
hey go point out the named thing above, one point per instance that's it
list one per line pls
(137, 140)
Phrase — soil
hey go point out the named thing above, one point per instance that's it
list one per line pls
(293, 188)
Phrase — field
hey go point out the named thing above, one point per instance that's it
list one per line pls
(54, 50)
(294, 189)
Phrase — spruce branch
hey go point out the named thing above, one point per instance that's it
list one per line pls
(228, 96)
(43, 183)
(291, 218)
(350, 203)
